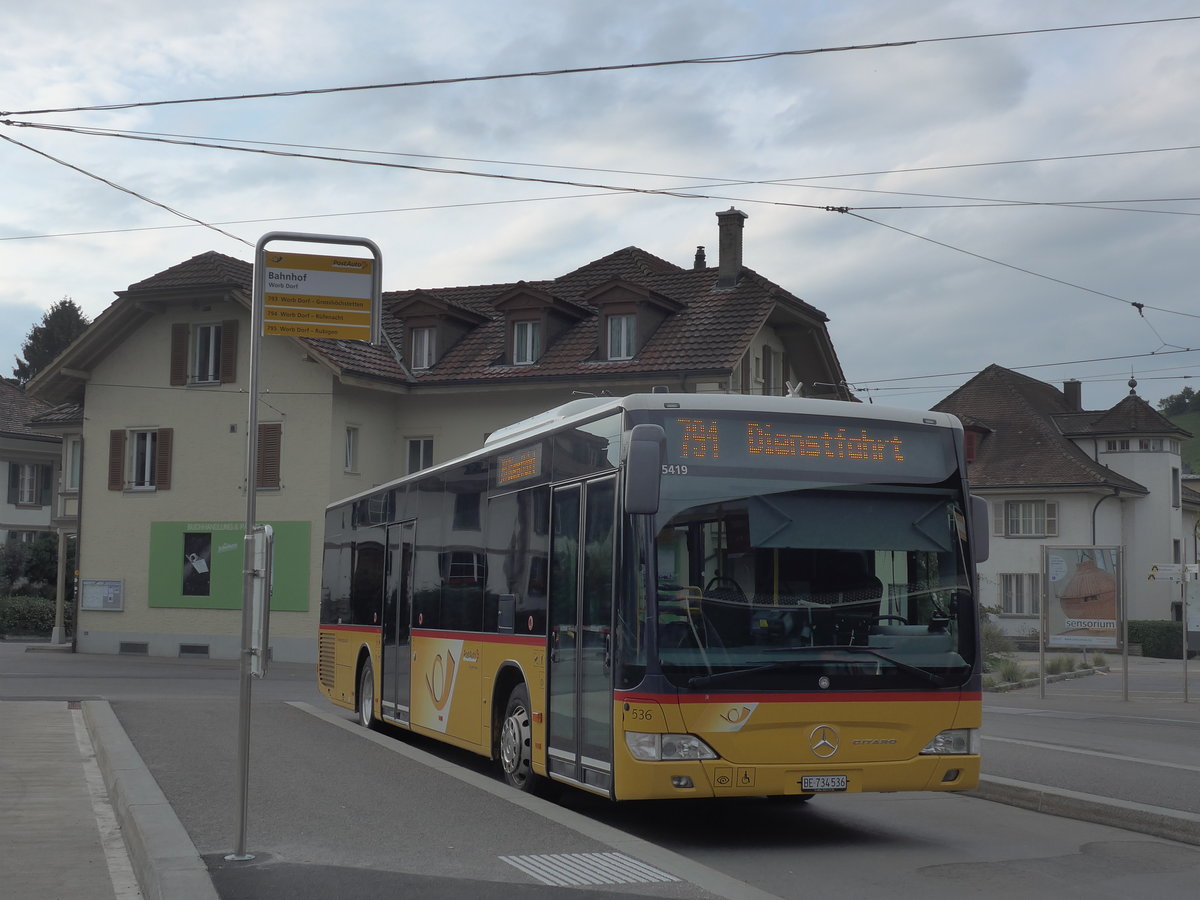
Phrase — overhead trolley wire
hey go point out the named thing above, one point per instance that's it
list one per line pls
(710, 60)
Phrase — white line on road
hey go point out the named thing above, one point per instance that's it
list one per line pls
(1135, 759)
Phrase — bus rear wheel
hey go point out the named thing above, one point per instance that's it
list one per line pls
(516, 742)
(366, 695)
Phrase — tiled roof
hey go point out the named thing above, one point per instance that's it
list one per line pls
(63, 414)
(709, 333)
(706, 332)
(1133, 415)
(1023, 444)
(18, 409)
(207, 269)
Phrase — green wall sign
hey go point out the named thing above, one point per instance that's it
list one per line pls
(198, 565)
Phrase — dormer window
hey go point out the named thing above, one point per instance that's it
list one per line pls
(527, 342)
(622, 336)
(423, 347)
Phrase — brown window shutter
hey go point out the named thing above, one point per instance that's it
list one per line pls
(270, 441)
(162, 458)
(116, 460)
(229, 350)
(179, 354)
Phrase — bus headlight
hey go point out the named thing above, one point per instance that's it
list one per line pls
(667, 746)
(954, 742)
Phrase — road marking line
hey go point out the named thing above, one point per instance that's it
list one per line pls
(1117, 756)
(120, 869)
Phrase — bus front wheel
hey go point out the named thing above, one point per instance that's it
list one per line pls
(516, 742)
(366, 695)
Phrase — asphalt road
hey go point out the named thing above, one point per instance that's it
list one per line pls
(337, 810)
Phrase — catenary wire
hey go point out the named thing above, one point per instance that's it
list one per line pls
(711, 60)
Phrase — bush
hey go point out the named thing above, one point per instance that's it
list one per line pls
(1010, 671)
(1059, 665)
(1162, 640)
(27, 616)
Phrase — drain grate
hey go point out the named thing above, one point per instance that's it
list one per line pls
(572, 869)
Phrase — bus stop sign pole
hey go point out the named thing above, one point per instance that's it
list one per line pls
(303, 318)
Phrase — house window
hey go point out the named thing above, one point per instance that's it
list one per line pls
(420, 454)
(1154, 445)
(1116, 446)
(29, 484)
(1021, 594)
(207, 354)
(140, 459)
(1176, 489)
(203, 354)
(1026, 518)
(772, 374)
(351, 448)
(74, 461)
(145, 455)
(526, 342)
(27, 492)
(423, 345)
(621, 335)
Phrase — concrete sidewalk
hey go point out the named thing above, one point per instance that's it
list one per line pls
(81, 818)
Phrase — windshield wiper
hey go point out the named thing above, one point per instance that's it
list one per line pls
(924, 674)
(932, 678)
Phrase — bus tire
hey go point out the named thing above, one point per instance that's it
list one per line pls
(365, 699)
(516, 742)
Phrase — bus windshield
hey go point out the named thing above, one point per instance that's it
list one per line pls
(816, 588)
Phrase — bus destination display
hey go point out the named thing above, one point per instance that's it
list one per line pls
(522, 465)
(709, 445)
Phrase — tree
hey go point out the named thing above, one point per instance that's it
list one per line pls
(62, 323)
(1185, 401)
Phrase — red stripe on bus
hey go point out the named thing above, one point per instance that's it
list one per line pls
(822, 697)
(367, 628)
(533, 640)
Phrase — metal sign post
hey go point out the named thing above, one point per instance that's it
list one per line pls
(317, 297)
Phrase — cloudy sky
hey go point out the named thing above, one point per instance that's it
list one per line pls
(1011, 196)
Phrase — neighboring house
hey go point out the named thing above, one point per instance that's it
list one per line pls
(159, 383)
(1056, 474)
(30, 460)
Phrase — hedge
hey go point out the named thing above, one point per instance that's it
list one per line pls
(28, 616)
(1162, 640)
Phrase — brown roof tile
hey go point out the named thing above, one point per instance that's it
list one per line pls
(1023, 445)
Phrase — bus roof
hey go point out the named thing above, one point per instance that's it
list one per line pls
(586, 408)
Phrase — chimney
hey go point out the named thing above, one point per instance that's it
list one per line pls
(729, 226)
(1073, 390)
(699, 264)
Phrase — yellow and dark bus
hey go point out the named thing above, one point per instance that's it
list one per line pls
(674, 595)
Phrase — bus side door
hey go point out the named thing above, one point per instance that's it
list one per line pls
(397, 609)
(583, 519)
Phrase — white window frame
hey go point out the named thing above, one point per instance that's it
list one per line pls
(622, 336)
(527, 340)
(351, 458)
(419, 450)
(27, 486)
(73, 458)
(424, 346)
(1031, 518)
(206, 354)
(143, 459)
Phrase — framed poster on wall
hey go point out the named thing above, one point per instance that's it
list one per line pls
(102, 595)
